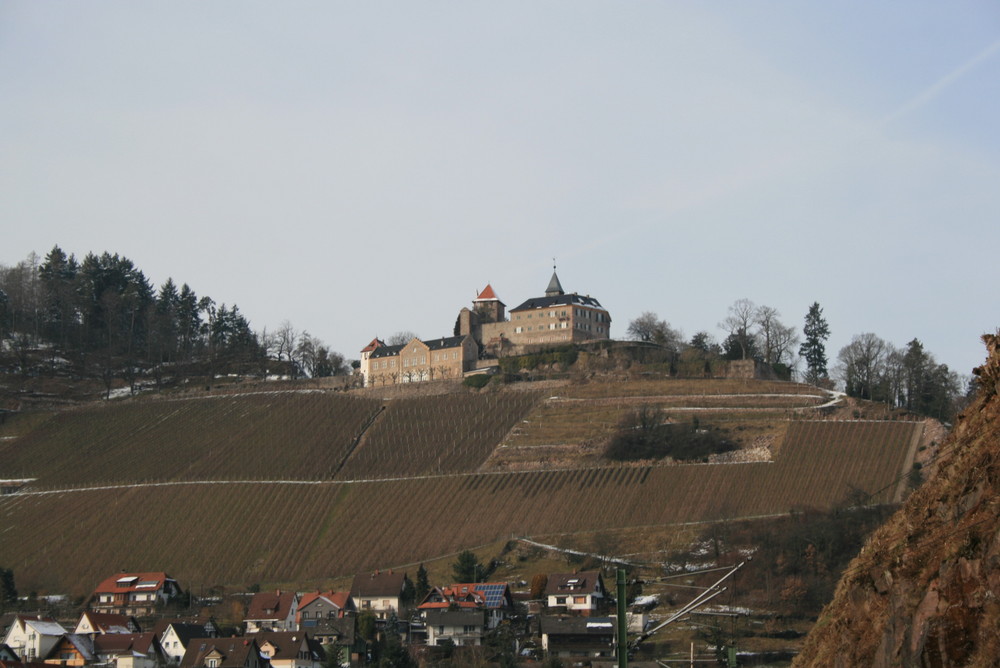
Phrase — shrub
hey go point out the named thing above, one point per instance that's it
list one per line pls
(646, 435)
(477, 381)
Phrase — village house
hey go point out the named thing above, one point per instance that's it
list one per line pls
(493, 598)
(32, 638)
(578, 637)
(379, 592)
(135, 594)
(272, 611)
(463, 627)
(93, 623)
(176, 635)
(291, 649)
(223, 653)
(315, 606)
(581, 592)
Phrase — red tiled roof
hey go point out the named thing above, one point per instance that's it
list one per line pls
(376, 343)
(126, 582)
(487, 293)
(270, 605)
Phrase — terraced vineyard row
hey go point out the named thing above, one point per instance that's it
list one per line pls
(240, 533)
(432, 435)
(244, 437)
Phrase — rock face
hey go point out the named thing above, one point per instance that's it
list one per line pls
(925, 589)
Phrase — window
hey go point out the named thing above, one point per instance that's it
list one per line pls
(579, 600)
(560, 600)
(212, 663)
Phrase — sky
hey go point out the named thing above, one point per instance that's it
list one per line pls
(360, 169)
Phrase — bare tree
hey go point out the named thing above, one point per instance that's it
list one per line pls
(285, 338)
(400, 338)
(862, 366)
(776, 340)
(742, 317)
(649, 328)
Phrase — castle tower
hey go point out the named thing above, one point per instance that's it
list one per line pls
(488, 306)
(555, 287)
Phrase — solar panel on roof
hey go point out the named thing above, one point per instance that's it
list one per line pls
(493, 594)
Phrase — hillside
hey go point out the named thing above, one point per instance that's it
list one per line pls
(304, 487)
(924, 590)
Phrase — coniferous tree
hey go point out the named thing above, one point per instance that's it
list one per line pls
(467, 567)
(423, 584)
(813, 349)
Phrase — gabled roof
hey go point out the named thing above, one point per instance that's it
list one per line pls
(487, 295)
(338, 600)
(487, 595)
(185, 631)
(584, 582)
(376, 343)
(445, 342)
(128, 582)
(279, 645)
(45, 627)
(232, 651)
(7, 654)
(557, 300)
(386, 351)
(379, 583)
(82, 643)
(461, 617)
(126, 643)
(271, 605)
(107, 622)
(590, 626)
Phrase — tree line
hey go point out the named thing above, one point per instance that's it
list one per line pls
(102, 318)
(868, 367)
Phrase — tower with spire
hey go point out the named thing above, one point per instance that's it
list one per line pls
(554, 319)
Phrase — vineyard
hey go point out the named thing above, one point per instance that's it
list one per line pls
(435, 435)
(239, 533)
(263, 436)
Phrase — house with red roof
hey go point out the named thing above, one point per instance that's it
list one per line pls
(493, 598)
(135, 594)
(315, 607)
(272, 611)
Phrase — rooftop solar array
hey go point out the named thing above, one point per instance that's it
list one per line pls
(493, 594)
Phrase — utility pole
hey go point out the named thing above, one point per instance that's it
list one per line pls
(622, 622)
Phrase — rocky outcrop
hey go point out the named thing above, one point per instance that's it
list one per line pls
(925, 590)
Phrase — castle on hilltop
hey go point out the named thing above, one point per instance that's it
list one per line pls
(485, 333)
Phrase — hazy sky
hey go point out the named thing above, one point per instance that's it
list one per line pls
(363, 168)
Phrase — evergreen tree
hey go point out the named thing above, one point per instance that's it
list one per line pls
(423, 585)
(813, 349)
(467, 567)
(8, 592)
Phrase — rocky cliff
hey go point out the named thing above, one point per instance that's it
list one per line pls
(925, 590)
